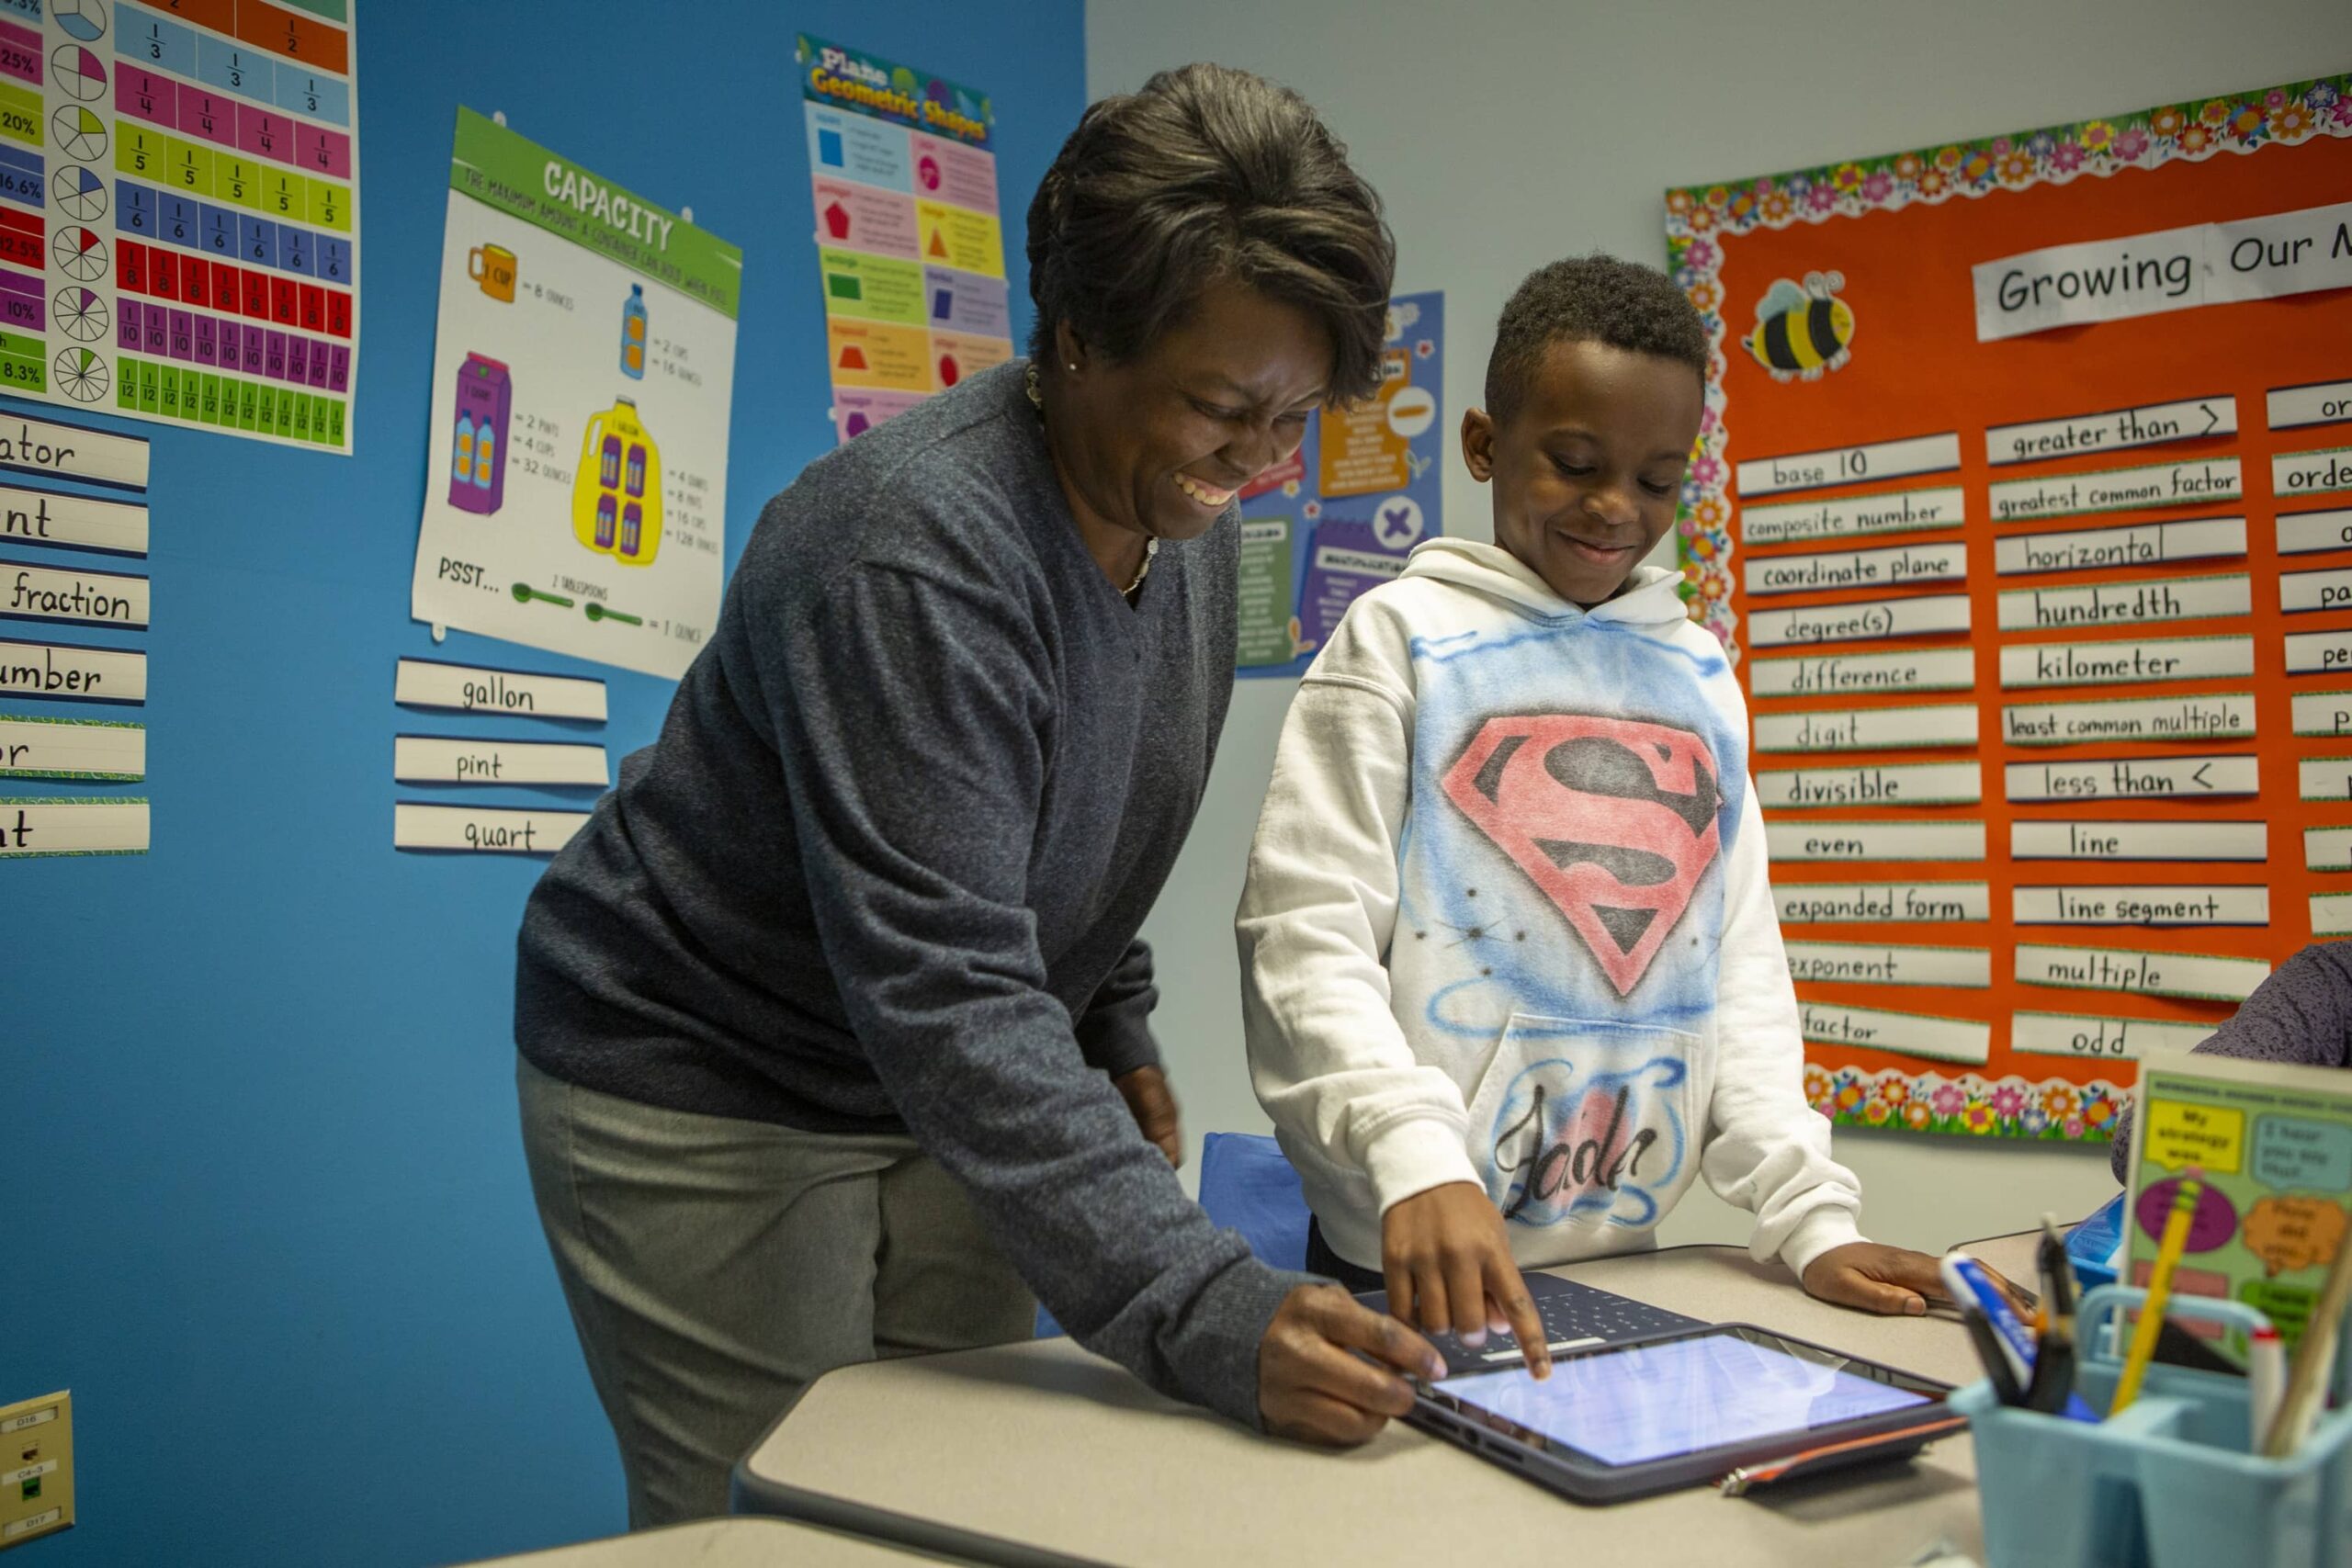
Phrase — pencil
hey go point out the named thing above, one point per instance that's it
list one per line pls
(2152, 1311)
(2314, 1358)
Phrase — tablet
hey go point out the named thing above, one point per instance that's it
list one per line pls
(1629, 1420)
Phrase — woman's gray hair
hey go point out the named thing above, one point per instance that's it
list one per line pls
(1208, 176)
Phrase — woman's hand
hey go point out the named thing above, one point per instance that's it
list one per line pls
(1153, 1105)
(1315, 1386)
(1890, 1280)
(1449, 1266)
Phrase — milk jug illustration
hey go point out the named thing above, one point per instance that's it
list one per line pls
(616, 499)
(478, 445)
(633, 332)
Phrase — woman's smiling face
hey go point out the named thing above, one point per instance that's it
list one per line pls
(1161, 444)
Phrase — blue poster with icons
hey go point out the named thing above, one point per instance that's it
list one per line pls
(1340, 517)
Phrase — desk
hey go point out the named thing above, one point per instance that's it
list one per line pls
(720, 1543)
(1039, 1455)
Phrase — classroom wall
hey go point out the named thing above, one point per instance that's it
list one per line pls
(266, 1209)
(1504, 133)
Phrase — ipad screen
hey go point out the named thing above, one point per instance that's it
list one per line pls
(1656, 1401)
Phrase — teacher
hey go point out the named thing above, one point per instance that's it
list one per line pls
(833, 1021)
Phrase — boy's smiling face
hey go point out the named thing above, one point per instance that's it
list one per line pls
(1587, 469)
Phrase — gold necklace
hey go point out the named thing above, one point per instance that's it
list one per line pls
(1150, 547)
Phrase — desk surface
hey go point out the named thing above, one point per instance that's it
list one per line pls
(720, 1543)
(1039, 1453)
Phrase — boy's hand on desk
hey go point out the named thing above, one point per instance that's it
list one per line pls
(1323, 1373)
(1891, 1279)
(1153, 1105)
(1448, 1264)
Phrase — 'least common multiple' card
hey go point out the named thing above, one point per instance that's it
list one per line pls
(2023, 504)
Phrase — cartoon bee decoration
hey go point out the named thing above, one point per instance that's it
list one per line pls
(1801, 334)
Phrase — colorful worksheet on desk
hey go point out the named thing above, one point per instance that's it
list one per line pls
(179, 213)
(583, 374)
(910, 246)
(2023, 501)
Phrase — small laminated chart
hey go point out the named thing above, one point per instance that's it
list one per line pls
(2023, 504)
(179, 222)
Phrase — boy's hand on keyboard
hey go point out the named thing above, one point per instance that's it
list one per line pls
(1449, 1266)
(1323, 1368)
(1891, 1279)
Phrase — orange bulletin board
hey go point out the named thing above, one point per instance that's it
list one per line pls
(2037, 574)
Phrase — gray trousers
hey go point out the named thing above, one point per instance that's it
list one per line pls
(716, 1267)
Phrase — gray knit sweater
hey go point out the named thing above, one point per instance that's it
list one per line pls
(2303, 1013)
(885, 866)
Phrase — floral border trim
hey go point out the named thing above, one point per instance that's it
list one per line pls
(1699, 217)
(2054, 1111)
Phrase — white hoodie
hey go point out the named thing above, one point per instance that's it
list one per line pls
(1507, 922)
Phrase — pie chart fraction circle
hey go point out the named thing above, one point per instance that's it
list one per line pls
(80, 194)
(83, 20)
(79, 134)
(81, 314)
(78, 73)
(81, 374)
(80, 254)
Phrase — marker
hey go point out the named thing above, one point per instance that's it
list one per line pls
(2152, 1311)
(1971, 1287)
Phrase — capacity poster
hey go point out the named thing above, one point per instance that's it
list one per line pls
(909, 246)
(2024, 502)
(1340, 517)
(179, 213)
(583, 369)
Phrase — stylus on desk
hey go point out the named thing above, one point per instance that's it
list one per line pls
(1748, 1476)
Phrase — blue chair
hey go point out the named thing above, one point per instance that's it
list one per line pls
(1247, 1186)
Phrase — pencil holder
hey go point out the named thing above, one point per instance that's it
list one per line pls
(2169, 1484)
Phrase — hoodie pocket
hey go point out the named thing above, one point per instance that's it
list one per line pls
(1582, 1122)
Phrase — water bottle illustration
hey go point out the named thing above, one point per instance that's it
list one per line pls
(633, 332)
(616, 497)
(478, 447)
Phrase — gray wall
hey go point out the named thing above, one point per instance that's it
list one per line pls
(1504, 133)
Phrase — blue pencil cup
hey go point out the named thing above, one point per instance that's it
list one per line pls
(2169, 1484)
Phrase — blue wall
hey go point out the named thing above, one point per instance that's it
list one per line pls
(265, 1210)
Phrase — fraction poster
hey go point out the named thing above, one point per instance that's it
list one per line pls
(910, 247)
(179, 213)
(2023, 501)
(583, 371)
(1340, 517)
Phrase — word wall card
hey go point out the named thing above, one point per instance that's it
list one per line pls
(179, 213)
(2023, 501)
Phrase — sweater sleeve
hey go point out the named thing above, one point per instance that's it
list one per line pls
(907, 712)
(1329, 1063)
(2301, 1013)
(1115, 1031)
(1767, 1151)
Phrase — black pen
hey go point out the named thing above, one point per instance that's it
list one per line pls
(1989, 1351)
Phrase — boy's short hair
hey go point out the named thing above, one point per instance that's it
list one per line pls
(1594, 298)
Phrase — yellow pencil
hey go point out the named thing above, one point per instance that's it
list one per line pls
(2152, 1311)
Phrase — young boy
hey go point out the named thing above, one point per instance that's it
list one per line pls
(1512, 972)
